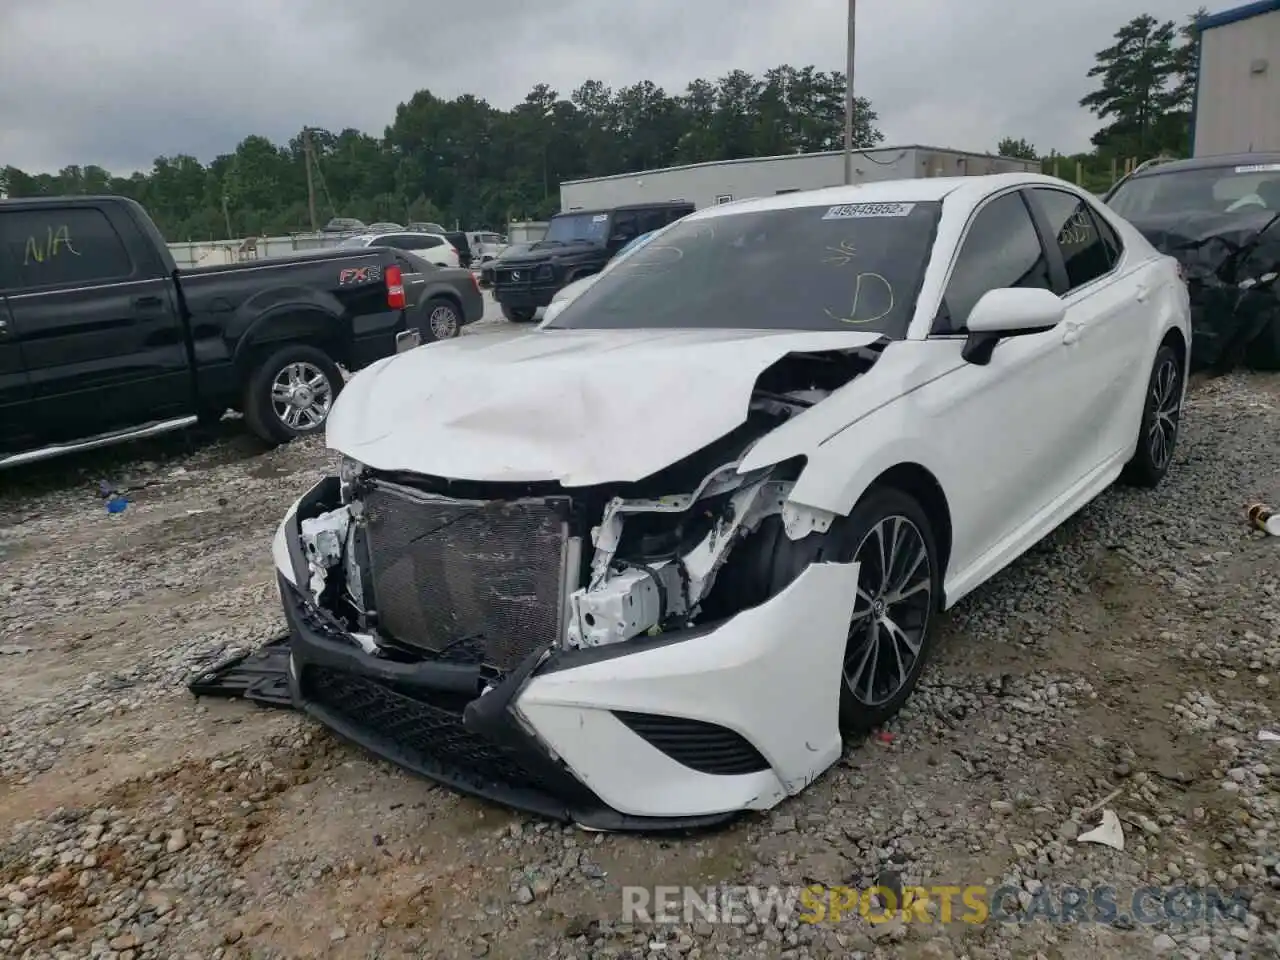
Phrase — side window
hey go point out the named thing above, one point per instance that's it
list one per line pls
(51, 247)
(426, 243)
(651, 220)
(1002, 249)
(1109, 237)
(678, 213)
(1084, 251)
(624, 225)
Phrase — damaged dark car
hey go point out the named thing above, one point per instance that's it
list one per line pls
(1220, 218)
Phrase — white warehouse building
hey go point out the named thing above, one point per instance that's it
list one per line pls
(722, 181)
(1237, 104)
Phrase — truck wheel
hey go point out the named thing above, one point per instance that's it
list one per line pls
(519, 314)
(290, 393)
(443, 320)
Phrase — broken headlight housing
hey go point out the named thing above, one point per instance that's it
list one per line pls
(349, 473)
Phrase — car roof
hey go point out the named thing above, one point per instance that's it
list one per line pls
(399, 233)
(914, 190)
(1210, 163)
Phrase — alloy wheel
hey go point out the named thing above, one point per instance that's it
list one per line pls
(891, 613)
(301, 396)
(444, 322)
(1166, 397)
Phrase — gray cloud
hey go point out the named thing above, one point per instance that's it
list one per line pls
(117, 84)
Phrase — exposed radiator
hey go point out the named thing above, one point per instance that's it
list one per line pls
(488, 576)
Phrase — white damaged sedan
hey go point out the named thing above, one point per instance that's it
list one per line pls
(643, 567)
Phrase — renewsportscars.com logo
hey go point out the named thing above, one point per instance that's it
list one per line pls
(939, 903)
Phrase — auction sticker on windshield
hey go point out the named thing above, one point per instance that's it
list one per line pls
(856, 211)
(1259, 168)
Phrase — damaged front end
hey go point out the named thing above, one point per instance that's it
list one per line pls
(512, 639)
(1231, 265)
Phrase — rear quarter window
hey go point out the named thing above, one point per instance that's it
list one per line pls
(59, 247)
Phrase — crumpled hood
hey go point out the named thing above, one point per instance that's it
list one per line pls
(1224, 317)
(1202, 242)
(578, 406)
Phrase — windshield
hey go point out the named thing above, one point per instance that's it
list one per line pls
(847, 267)
(1212, 190)
(578, 227)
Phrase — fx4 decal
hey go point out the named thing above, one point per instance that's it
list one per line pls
(350, 275)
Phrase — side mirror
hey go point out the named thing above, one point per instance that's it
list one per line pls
(1009, 312)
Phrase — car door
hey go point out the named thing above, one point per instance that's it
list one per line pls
(1006, 425)
(1107, 323)
(624, 227)
(15, 391)
(94, 317)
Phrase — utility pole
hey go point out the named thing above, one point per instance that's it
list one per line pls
(848, 97)
(311, 186)
(226, 215)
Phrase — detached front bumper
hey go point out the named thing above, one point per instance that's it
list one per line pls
(680, 730)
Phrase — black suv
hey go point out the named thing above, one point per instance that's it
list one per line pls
(577, 243)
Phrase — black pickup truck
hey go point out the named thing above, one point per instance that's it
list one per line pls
(103, 339)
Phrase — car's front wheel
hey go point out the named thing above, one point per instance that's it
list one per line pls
(1161, 421)
(899, 580)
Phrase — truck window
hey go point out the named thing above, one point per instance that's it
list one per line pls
(624, 225)
(651, 220)
(55, 246)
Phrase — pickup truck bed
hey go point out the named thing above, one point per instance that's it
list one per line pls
(103, 338)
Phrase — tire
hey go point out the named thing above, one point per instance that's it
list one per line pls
(1161, 422)
(441, 320)
(873, 686)
(519, 314)
(269, 416)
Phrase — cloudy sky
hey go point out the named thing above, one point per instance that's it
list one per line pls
(119, 83)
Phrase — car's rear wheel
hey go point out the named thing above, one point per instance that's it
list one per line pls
(519, 314)
(1161, 422)
(899, 580)
(443, 320)
(290, 393)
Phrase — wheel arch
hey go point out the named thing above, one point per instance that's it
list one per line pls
(1176, 340)
(922, 486)
(289, 324)
(898, 470)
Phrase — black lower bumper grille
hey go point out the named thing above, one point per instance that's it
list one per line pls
(426, 735)
(701, 746)
(448, 573)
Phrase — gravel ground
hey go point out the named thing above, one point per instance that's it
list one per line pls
(1128, 663)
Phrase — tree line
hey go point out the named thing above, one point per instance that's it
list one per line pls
(466, 162)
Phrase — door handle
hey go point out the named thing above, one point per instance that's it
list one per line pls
(1142, 293)
(1071, 333)
(147, 303)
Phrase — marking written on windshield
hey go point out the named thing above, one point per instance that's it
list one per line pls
(55, 242)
